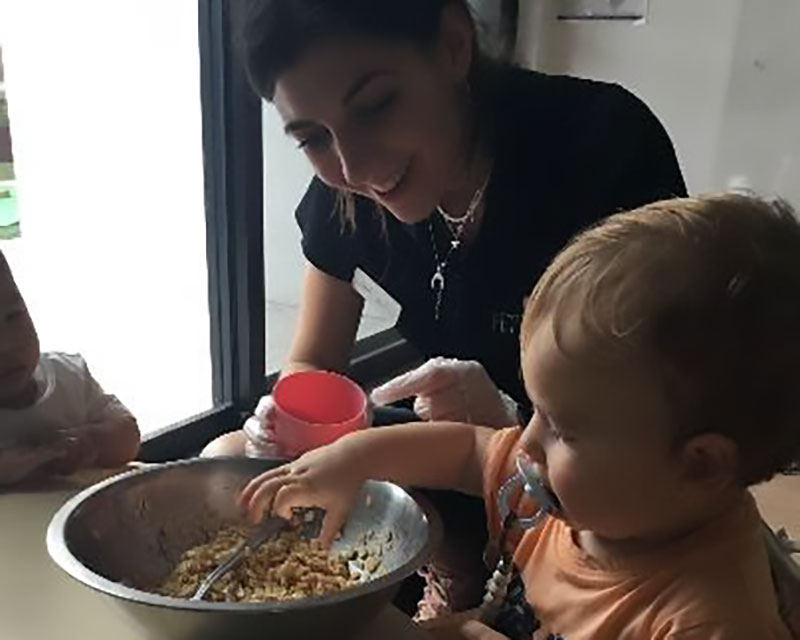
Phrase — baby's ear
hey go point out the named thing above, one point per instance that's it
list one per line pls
(710, 460)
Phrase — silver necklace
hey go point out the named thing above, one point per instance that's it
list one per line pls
(456, 227)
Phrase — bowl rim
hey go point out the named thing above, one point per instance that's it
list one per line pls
(60, 554)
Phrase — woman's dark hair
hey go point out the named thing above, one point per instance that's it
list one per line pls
(275, 33)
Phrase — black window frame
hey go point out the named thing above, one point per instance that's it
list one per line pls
(233, 177)
(233, 169)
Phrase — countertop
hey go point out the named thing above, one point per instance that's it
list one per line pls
(40, 602)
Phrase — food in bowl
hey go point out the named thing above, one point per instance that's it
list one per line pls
(108, 542)
(287, 567)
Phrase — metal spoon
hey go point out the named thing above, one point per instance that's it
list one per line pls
(306, 520)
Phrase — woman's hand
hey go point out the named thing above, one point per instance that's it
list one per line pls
(451, 390)
(260, 431)
(329, 477)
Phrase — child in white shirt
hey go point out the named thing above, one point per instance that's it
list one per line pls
(54, 416)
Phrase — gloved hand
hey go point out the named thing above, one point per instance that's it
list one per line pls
(260, 433)
(453, 390)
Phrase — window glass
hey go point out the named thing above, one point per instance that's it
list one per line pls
(286, 176)
(105, 113)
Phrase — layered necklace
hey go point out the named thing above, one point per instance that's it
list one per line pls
(456, 226)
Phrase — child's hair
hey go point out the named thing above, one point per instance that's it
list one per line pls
(708, 290)
(276, 33)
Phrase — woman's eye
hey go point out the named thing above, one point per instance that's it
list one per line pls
(313, 141)
(377, 107)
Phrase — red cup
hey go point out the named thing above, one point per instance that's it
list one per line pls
(314, 408)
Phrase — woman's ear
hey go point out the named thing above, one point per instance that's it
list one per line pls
(456, 46)
(710, 461)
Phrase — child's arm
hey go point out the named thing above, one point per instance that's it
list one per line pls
(110, 436)
(107, 443)
(431, 455)
(19, 462)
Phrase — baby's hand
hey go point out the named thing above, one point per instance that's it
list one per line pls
(327, 477)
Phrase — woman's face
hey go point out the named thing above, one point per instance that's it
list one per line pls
(384, 120)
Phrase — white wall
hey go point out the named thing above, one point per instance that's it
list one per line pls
(760, 137)
(722, 75)
(678, 62)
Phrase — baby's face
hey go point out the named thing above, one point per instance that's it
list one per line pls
(601, 437)
(19, 345)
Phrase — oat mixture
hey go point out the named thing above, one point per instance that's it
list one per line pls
(285, 568)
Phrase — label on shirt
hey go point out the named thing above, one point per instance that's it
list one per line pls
(506, 323)
(377, 299)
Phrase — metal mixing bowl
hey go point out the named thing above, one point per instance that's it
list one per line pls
(123, 536)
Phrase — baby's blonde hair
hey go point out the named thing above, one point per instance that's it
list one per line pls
(706, 289)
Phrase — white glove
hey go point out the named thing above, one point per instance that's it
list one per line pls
(449, 389)
(260, 432)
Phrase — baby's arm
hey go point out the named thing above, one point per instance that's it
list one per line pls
(112, 441)
(432, 455)
(109, 441)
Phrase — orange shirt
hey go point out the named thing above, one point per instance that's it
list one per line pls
(714, 584)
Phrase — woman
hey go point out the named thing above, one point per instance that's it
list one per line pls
(448, 179)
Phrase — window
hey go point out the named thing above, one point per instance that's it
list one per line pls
(137, 184)
(286, 176)
(9, 216)
(109, 181)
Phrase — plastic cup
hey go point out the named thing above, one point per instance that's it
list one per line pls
(315, 408)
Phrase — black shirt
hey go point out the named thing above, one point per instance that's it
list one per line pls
(567, 152)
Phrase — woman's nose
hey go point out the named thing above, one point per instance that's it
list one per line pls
(355, 161)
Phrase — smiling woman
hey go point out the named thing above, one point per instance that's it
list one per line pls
(448, 179)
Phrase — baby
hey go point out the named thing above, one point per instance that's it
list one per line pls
(661, 353)
(54, 417)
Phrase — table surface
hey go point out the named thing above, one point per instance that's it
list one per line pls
(38, 601)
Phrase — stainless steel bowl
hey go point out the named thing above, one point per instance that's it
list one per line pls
(123, 536)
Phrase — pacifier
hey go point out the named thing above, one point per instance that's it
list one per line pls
(533, 485)
(530, 481)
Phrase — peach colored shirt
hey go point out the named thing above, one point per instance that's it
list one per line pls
(713, 584)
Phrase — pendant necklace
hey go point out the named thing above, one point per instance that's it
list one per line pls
(456, 227)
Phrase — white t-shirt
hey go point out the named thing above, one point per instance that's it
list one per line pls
(68, 397)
